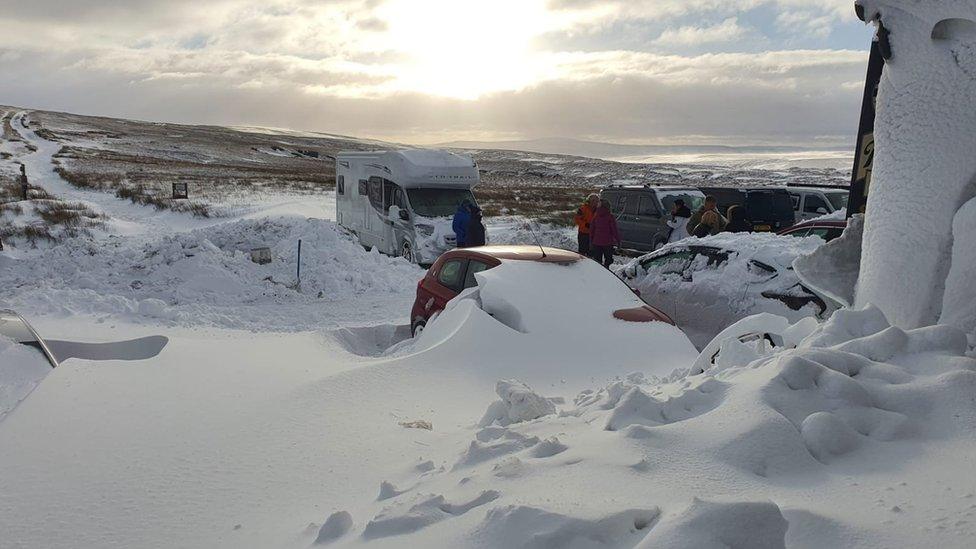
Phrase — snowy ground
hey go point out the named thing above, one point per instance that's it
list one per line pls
(274, 417)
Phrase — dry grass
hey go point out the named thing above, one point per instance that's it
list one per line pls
(68, 214)
(139, 194)
(553, 205)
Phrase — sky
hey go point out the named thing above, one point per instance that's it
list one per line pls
(736, 72)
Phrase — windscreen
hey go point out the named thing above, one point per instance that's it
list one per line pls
(838, 199)
(434, 202)
(692, 200)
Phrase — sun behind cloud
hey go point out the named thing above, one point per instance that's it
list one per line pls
(465, 49)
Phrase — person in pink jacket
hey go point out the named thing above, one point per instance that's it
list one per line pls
(604, 235)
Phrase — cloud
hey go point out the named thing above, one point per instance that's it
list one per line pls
(444, 69)
(726, 31)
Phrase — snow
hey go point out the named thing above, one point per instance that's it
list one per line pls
(960, 291)
(832, 270)
(924, 169)
(21, 369)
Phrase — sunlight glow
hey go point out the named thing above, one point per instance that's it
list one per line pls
(465, 49)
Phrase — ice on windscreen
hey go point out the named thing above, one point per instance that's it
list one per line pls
(21, 369)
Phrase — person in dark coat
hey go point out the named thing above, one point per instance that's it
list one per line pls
(461, 219)
(604, 235)
(737, 220)
(475, 234)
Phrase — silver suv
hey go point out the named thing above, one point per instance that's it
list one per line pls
(810, 202)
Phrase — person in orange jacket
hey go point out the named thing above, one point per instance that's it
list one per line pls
(583, 218)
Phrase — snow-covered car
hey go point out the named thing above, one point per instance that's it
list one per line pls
(707, 284)
(454, 272)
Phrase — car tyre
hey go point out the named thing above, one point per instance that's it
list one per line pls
(406, 252)
(418, 328)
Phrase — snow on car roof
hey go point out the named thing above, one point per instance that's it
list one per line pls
(771, 249)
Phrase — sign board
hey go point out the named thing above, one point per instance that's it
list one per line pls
(864, 154)
(261, 256)
(180, 190)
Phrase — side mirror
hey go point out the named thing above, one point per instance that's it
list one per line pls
(394, 213)
(404, 215)
(822, 211)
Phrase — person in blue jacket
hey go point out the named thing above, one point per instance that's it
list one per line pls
(461, 219)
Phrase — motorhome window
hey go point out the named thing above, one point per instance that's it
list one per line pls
(796, 201)
(437, 202)
(376, 192)
(837, 199)
(340, 184)
(363, 187)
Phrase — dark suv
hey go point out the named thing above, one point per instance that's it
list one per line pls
(768, 208)
(642, 212)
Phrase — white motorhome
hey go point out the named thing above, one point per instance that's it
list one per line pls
(402, 202)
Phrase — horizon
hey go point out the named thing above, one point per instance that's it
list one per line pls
(663, 72)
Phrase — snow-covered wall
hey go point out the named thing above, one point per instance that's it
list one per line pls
(925, 158)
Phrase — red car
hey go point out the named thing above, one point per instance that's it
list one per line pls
(454, 271)
(825, 229)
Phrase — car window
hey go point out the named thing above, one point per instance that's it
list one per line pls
(838, 199)
(451, 273)
(820, 231)
(716, 258)
(833, 233)
(617, 204)
(799, 233)
(632, 204)
(647, 206)
(473, 267)
(795, 198)
(673, 263)
(814, 203)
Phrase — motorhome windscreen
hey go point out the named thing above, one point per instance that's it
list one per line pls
(837, 199)
(437, 202)
(693, 201)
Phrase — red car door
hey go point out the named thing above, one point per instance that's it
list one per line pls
(448, 283)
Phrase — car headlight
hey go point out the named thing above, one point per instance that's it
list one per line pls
(424, 230)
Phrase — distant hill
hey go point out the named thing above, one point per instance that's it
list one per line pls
(596, 149)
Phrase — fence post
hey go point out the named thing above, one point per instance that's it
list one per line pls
(298, 268)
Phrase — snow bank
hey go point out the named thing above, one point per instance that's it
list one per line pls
(854, 402)
(832, 269)
(21, 369)
(206, 276)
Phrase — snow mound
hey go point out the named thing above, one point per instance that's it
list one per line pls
(535, 528)
(518, 403)
(711, 525)
(337, 525)
(408, 517)
(206, 276)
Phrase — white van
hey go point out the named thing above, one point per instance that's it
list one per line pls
(403, 202)
(811, 202)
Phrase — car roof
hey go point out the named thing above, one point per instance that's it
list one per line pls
(649, 187)
(524, 253)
